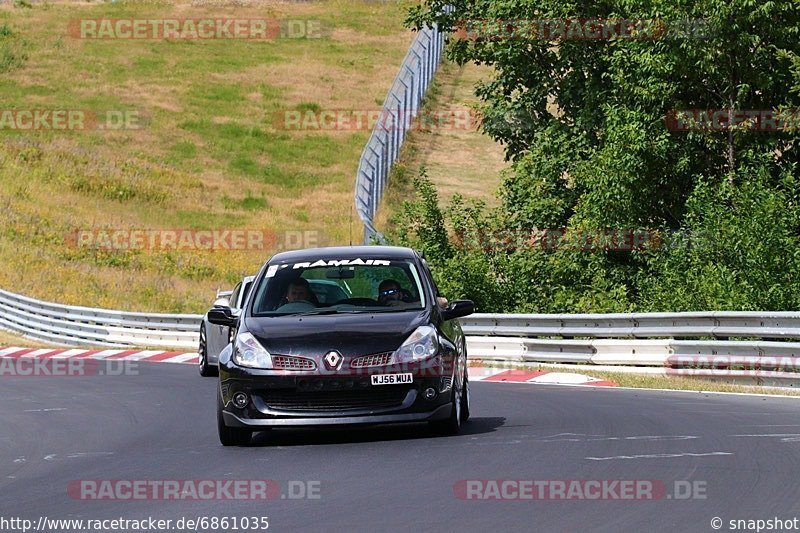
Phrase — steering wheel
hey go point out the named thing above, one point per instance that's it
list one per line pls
(296, 307)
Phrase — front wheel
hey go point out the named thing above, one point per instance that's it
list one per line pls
(465, 399)
(229, 436)
(452, 424)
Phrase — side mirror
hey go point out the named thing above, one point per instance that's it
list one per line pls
(222, 316)
(221, 302)
(458, 309)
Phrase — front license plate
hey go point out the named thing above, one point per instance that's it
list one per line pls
(392, 379)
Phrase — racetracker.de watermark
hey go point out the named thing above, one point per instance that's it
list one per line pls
(148, 523)
(258, 29)
(554, 239)
(161, 240)
(70, 120)
(759, 120)
(457, 119)
(738, 365)
(65, 367)
(193, 489)
(580, 29)
(578, 489)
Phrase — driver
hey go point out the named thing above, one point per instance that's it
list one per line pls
(299, 290)
(389, 293)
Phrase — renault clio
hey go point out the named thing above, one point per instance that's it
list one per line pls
(387, 349)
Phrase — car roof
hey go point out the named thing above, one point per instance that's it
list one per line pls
(346, 252)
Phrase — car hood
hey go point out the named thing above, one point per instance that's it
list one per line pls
(351, 335)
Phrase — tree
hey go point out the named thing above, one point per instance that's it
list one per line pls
(585, 124)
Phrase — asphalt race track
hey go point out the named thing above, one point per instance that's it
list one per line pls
(161, 424)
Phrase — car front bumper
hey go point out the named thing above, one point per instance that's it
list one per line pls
(440, 413)
(309, 399)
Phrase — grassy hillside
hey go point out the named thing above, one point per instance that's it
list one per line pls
(456, 158)
(207, 155)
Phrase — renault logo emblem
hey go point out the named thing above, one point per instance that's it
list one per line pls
(333, 360)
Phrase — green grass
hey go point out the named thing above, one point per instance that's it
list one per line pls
(248, 203)
(12, 50)
(686, 383)
(208, 154)
(9, 339)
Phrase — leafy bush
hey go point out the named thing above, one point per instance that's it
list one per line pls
(740, 249)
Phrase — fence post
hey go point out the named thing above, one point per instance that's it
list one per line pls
(402, 104)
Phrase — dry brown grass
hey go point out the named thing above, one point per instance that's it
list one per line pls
(9, 339)
(457, 159)
(460, 160)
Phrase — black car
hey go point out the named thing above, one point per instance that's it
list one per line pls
(391, 350)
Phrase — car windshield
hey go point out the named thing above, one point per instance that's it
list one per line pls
(332, 286)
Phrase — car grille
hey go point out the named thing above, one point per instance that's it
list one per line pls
(378, 359)
(288, 362)
(295, 400)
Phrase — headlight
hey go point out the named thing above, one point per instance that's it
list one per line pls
(421, 344)
(249, 352)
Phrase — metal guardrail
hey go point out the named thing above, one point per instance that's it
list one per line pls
(668, 340)
(716, 324)
(647, 340)
(399, 109)
(637, 338)
(85, 326)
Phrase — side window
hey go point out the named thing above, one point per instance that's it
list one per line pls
(234, 298)
(430, 277)
(245, 292)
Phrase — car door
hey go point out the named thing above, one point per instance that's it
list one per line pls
(450, 328)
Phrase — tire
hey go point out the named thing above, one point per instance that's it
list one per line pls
(229, 436)
(452, 424)
(465, 398)
(204, 368)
